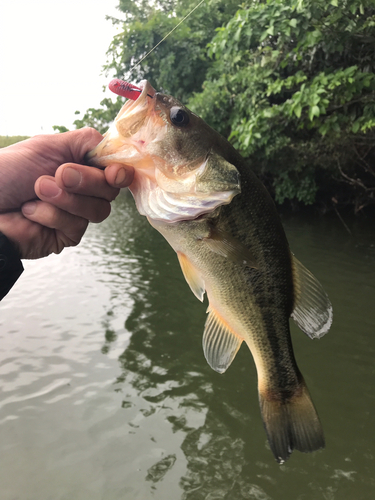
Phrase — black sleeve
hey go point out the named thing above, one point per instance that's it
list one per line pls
(10, 266)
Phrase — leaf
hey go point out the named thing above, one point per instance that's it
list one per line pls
(313, 111)
(323, 129)
(238, 34)
(298, 110)
(355, 127)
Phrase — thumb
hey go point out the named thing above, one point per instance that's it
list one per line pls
(80, 142)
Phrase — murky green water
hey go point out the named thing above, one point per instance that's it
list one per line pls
(106, 394)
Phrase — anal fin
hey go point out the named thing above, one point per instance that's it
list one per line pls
(220, 344)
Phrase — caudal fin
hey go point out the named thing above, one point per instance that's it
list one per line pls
(292, 423)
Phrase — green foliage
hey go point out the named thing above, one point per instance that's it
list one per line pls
(290, 82)
(8, 140)
(100, 118)
(178, 66)
(60, 129)
(295, 82)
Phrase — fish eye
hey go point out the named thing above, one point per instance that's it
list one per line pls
(178, 116)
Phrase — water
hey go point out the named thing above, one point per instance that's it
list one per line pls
(106, 394)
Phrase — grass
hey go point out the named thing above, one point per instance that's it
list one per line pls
(7, 140)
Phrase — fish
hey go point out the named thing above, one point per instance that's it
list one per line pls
(203, 197)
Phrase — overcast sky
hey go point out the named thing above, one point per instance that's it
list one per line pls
(51, 58)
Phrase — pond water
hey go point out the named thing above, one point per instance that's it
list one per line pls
(106, 395)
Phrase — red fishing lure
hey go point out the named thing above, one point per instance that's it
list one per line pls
(124, 89)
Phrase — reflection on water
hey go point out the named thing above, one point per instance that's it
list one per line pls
(106, 393)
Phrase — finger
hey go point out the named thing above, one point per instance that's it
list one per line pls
(84, 180)
(19, 231)
(80, 142)
(69, 146)
(69, 228)
(30, 239)
(119, 175)
(88, 207)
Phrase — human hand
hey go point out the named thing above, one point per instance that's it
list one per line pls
(75, 195)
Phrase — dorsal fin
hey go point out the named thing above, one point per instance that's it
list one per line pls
(312, 308)
(192, 276)
(220, 344)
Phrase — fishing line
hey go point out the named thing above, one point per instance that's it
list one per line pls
(166, 36)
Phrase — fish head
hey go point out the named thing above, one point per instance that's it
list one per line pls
(178, 173)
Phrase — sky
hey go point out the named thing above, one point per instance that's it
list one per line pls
(51, 58)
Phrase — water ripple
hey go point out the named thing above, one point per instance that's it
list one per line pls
(106, 395)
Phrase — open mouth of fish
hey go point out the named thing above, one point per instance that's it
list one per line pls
(125, 140)
(172, 181)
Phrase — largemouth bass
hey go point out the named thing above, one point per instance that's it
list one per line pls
(199, 193)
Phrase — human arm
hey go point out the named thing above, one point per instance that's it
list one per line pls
(45, 167)
(48, 197)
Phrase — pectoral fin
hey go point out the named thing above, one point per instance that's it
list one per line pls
(192, 276)
(220, 344)
(312, 307)
(227, 246)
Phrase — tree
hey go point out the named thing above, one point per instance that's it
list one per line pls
(293, 85)
(290, 82)
(178, 66)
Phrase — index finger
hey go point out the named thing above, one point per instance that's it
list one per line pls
(119, 175)
(89, 181)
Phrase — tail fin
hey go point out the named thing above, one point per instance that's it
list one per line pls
(291, 423)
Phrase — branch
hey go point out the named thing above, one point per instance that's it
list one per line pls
(362, 159)
(354, 182)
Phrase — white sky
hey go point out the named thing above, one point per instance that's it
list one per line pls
(51, 58)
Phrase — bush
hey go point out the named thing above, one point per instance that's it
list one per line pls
(293, 85)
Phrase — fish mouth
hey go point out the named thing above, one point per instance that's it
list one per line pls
(123, 142)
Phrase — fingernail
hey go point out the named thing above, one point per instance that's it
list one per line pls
(71, 177)
(29, 208)
(120, 177)
(49, 188)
